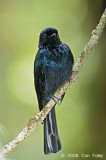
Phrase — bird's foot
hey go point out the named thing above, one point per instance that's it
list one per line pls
(68, 80)
(59, 100)
(54, 99)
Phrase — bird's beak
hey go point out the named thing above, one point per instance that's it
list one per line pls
(53, 35)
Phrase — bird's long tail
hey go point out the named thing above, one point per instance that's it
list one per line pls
(52, 142)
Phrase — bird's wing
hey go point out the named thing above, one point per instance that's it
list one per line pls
(39, 79)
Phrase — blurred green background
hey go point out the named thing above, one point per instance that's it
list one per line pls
(81, 117)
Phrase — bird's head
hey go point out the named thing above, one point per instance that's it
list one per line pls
(49, 38)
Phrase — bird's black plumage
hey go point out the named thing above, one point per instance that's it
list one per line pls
(52, 67)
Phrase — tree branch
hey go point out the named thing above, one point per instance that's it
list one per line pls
(38, 119)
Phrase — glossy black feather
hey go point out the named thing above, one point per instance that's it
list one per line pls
(52, 67)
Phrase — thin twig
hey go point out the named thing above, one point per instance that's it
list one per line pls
(38, 119)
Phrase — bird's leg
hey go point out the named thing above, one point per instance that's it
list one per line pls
(68, 80)
(54, 99)
(59, 100)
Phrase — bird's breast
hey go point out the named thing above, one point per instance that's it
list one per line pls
(55, 59)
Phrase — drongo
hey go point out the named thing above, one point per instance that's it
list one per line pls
(52, 67)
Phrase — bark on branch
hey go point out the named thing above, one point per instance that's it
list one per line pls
(38, 119)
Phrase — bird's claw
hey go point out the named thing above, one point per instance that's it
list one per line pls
(54, 99)
(59, 100)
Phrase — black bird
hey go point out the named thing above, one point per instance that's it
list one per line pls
(52, 67)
